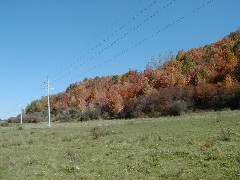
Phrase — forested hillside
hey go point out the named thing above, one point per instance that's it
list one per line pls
(202, 78)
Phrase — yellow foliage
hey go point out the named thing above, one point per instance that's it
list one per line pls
(230, 58)
(229, 81)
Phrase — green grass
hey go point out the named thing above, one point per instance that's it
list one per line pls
(192, 146)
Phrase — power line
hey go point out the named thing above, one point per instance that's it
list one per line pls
(145, 39)
(98, 44)
(117, 40)
(39, 90)
(108, 37)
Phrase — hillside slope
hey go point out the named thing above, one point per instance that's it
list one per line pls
(201, 78)
(193, 146)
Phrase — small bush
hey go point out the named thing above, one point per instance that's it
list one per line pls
(226, 135)
(63, 118)
(98, 132)
(130, 110)
(206, 96)
(13, 120)
(148, 106)
(31, 161)
(4, 124)
(90, 114)
(177, 108)
(19, 128)
(67, 139)
(208, 143)
(33, 118)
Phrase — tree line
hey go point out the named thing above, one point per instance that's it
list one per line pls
(205, 78)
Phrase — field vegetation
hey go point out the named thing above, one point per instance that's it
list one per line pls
(192, 146)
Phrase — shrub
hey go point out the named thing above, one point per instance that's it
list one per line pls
(229, 98)
(130, 109)
(98, 132)
(206, 96)
(4, 123)
(74, 114)
(166, 101)
(148, 106)
(226, 135)
(63, 116)
(90, 114)
(19, 128)
(12, 120)
(33, 118)
(177, 108)
(208, 143)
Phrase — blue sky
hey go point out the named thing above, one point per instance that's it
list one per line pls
(60, 39)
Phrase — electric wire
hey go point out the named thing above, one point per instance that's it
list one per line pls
(117, 40)
(143, 40)
(108, 37)
(42, 87)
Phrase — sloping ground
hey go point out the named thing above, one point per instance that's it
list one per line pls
(192, 146)
(201, 78)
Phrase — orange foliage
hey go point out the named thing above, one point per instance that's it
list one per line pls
(203, 68)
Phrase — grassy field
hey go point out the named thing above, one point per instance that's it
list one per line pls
(192, 146)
